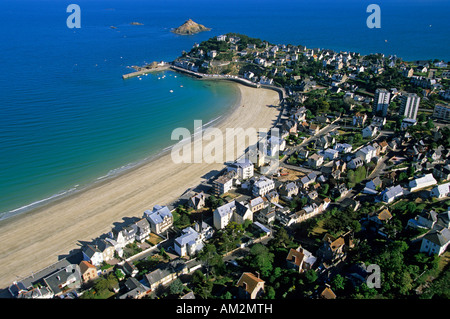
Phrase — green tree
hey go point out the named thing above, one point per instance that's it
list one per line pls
(176, 287)
(261, 259)
(311, 276)
(338, 282)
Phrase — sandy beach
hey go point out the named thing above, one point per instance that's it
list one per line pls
(32, 241)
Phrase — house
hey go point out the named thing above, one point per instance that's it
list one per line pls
(339, 191)
(374, 184)
(197, 201)
(313, 129)
(426, 219)
(275, 145)
(232, 211)
(369, 131)
(19, 291)
(130, 269)
(422, 182)
(256, 204)
(188, 243)
(441, 172)
(435, 241)
(135, 289)
(355, 163)
(223, 184)
(300, 259)
(142, 230)
(262, 186)
(290, 126)
(366, 153)
(392, 193)
(307, 180)
(88, 271)
(272, 197)
(266, 215)
(330, 154)
(64, 279)
(327, 293)
(380, 218)
(160, 219)
(407, 123)
(343, 148)
(331, 249)
(315, 160)
(106, 248)
(244, 168)
(289, 189)
(440, 191)
(250, 286)
(92, 254)
(165, 274)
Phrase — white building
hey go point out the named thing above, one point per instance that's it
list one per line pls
(366, 153)
(410, 105)
(381, 101)
(422, 182)
(330, 154)
(392, 193)
(188, 243)
(244, 168)
(369, 131)
(232, 211)
(435, 242)
(343, 148)
(263, 186)
(440, 191)
(160, 219)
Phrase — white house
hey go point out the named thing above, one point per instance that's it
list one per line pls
(244, 168)
(188, 243)
(369, 131)
(435, 242)
(330, 154)
(366, 153)
(232, 211)
(422, 182)
(263, 186)
(440, 191)
(92, 255)
(343, 148)
(160, 218)
(392, 193)
(355, 163)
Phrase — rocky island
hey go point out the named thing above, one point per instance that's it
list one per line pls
(190, 27)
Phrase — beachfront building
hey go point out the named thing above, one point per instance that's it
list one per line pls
(233, 211)
(223, 184)
(160, 219)
(244, 168)
(197, 201)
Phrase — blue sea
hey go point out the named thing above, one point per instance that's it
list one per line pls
(68, 119)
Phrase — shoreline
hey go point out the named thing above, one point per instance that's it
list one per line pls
(33, 240)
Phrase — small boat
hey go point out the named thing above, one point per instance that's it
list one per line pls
(181, 86)
(171, 91)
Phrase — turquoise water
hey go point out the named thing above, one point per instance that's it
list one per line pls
(68, 119)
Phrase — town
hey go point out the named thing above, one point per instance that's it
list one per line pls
(359, 176)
